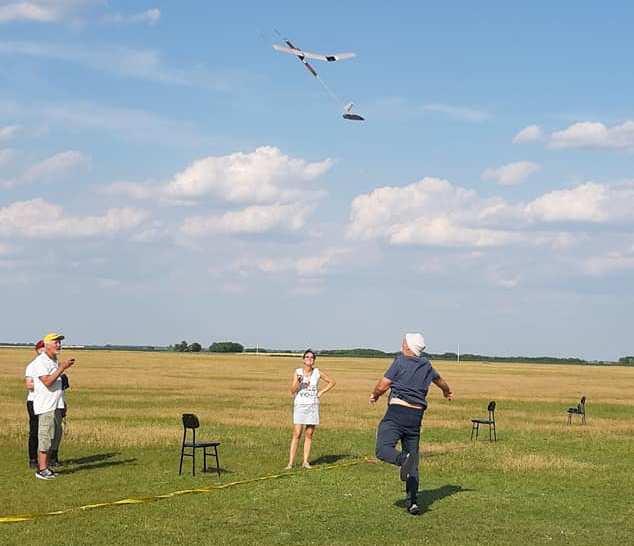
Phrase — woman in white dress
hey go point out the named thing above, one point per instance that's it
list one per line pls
(306, 395)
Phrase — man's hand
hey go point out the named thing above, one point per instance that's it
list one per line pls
(67, 363)
(448, 395)
(373, 399)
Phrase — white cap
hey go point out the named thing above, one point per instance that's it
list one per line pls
(415, 342)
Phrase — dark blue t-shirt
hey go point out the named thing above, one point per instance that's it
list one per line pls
(410, 377)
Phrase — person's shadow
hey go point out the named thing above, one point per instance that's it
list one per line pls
(428, 497)
(329, 459)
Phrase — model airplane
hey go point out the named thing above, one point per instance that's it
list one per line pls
(303, 55)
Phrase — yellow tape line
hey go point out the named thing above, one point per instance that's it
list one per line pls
(141, 500)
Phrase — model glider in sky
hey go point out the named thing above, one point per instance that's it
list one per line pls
(350, 115)
(303, 55)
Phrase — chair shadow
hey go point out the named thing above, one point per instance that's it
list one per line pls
(97, 457)
(329, 459)
(212, 471)
(103, 464)
(429, 497)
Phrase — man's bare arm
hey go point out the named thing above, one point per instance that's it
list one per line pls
(379, 389)
(48, 380)
(444, 387)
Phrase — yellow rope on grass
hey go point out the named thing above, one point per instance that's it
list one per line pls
(142, 500)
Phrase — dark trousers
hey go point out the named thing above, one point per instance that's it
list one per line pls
(33, 422)
(401, 424)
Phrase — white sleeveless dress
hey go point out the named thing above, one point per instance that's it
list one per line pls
(306, 403)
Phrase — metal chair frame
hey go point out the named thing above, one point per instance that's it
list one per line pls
(475, 424)
(191, 422)
(580, 410)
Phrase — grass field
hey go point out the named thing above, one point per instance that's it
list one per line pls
(543, 482)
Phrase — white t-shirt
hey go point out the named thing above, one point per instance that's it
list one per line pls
(29, 373)
(307, 393)
(45, 398)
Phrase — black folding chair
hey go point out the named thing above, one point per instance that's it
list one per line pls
(190, 422)
(475, 423)
(580, 410)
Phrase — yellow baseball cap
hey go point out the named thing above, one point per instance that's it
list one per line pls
(52, 337)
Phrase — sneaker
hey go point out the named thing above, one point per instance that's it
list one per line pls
(306, 465)
(407, 467)
(413, 509)
(45, 474)
(55, 463)
(288, 467)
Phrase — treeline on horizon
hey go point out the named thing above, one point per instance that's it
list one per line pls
(233, 347)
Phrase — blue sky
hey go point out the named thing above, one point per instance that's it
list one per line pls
(166, 175)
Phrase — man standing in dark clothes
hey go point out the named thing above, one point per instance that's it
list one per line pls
(408, 379)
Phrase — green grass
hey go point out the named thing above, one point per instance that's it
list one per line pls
(542, 483)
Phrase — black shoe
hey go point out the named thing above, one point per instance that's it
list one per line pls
(54, 463)
(407, 467)
(33, 463)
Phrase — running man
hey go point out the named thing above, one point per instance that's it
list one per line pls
(408, 379)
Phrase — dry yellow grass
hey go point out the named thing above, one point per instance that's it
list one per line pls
(134, 399)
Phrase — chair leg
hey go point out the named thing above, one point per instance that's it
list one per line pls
(193, 461)
(180, 467)
(570, 418)
(495, 436)
(217, 460)
(205, 459)
(472, 429)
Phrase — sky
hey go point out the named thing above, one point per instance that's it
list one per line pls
(166, 175)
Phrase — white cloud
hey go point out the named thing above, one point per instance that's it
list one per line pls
(41, 11)
(57, 165)
(250, 220)
(53, 167)
(532, 133)
(6, 155)
(584, 134)
(305, 266)
(458, 113)
(7, 132)
(609, 262)
(144, 64)
(589, 202)
(150, 17)
(433, 212)
(594, 135)
(264, 176)
(39, 219)
(511, 173)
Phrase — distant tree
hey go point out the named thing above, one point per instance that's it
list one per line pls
(181, 347)
(195, 347)
(626, 360)
(226, 347)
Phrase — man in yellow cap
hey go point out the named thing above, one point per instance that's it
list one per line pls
(47, 389)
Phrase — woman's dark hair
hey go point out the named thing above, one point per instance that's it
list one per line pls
(311, 352)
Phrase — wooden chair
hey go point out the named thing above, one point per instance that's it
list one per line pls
(475, 424)
(580, 410)
(190, 422)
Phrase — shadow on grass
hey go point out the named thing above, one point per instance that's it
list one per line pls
(429, 497)
(97, 457)
(212, 470)
(329, 459)
(95, 466)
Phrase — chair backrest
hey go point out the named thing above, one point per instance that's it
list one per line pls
(190, 421)
(491, 409)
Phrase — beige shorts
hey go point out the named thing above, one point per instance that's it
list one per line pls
(45, 430)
